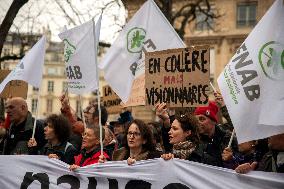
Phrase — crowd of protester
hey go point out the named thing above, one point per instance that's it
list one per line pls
(204, 136)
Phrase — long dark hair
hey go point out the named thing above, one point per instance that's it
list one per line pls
(145, 132)
(189, 123)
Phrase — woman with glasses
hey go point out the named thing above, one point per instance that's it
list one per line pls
(139, 144)
(184, 137)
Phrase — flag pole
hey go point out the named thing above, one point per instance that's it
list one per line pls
(98, 91)
(82, 112)
(215, 91)
(231, 139)
(36, 116)
(67, 95)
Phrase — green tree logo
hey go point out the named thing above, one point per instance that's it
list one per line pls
(135, 40)
(271, 59)
(69, 50)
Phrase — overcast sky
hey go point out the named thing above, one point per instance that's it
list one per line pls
(39, 14)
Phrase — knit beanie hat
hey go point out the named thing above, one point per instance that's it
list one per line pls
(209, 111)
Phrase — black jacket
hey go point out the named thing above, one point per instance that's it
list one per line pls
(16, 141)
(65, 151)
(268, 163)
(210, 150)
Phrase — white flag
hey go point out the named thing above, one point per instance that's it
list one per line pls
(30, 68)
(148, 30)
(252, 84)
(80, 54)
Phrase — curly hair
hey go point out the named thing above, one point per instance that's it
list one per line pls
(146, 134)
(61, 126)
(189, 123)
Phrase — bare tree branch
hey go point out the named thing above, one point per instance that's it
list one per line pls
(181, 13)
(65, 13)
(8, 20)
(75, 11)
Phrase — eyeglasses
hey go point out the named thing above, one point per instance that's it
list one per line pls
(135, 134)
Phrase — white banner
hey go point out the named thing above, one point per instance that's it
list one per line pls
(21, 171)
(148, 30)
(80, 56)
(252, 83)
(30, 68)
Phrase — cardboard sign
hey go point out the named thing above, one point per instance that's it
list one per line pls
(15, 88)
(137, 95)
(178, 77)
(111, 101)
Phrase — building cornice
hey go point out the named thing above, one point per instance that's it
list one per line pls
(233, 41)
(234, 38)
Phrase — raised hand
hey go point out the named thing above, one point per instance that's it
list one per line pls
(161, 111)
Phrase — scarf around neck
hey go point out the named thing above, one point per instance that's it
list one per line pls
(182, 150)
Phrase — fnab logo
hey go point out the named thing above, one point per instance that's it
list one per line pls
(271, 59)
(69, 50)
(135, 40)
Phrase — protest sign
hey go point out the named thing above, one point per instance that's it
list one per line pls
(178, 77)
(111, 101)
(30, 172)
(137, 95)
(15, 88)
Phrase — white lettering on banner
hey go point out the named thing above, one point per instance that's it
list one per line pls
(30, 172)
